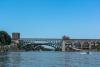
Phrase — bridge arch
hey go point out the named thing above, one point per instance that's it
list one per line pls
(77, 44)
(85, 45)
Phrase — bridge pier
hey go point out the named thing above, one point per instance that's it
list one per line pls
(82, 43)
(63, 46)
(90, 46)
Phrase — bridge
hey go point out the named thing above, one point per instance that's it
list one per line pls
(70, 44)
(42, 42)
(80, 44)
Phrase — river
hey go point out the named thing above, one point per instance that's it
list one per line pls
(50, 59)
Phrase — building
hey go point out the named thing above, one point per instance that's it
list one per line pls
(15, 36)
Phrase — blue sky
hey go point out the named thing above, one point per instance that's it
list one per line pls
(51, 18)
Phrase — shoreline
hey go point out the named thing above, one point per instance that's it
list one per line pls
(50, 51)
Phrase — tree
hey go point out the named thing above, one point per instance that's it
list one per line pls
(5, 38)
(97, 47)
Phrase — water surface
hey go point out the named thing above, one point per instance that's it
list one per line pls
(50, 59)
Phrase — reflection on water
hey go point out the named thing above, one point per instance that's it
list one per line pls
(3, 59)
(49, 59)
(14, 59)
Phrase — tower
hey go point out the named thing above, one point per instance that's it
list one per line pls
(15, 36)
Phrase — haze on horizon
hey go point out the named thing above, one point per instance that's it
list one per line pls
(51, 18)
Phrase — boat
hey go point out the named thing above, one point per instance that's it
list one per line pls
(88, 52)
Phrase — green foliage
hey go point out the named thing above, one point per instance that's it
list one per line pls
(20, 46)
(5, 38)
(28, 47)
(98, 47)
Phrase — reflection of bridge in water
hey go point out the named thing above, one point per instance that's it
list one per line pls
(73, 44)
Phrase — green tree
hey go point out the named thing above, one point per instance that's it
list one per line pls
(98, 47)
(5, 39)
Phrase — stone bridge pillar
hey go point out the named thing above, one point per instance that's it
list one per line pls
(63, 45)
(82, 43)
(90, 45)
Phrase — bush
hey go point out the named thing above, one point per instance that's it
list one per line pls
(98, 47)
